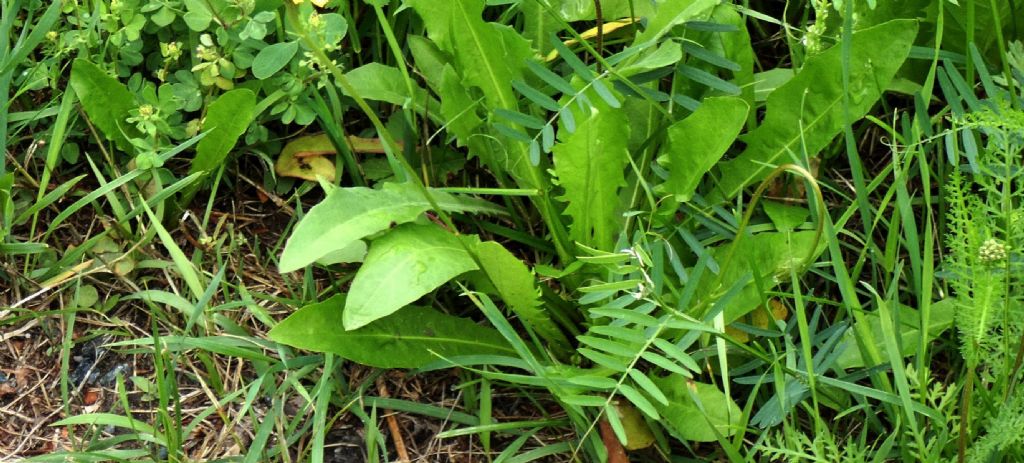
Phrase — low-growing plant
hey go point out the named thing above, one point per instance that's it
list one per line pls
(621, 263)
(643, 267)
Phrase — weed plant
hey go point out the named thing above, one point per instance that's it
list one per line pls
(616, 230)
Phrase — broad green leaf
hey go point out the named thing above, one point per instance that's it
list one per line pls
(765, 83)
(490, 56)
(806, 113)
(696, 143)
(106, 101)
(672, 13)
(458, 108)
(517, 287)
(226, 120)
(735, 47)
(686, 418)
(335, 27)
(487, 56)
(198, 15)
(350, 214)
(401, 267)
(590, 165)
(939, 320)
(163, 17)
(785, 217)
(584, 10)
(771, 254)
(410, 338)
(375, 81)
(538, 25)
(273, 58)
(354, 252)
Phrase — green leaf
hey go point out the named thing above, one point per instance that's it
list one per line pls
(770, 254)
(198, 16)
(106, 101)
(163, 17)
(273, 58)
(335, 28)
(696, 143)
(410, 338)
(430, 60)
(765, 83)
(226, 119)
(379, 82)
(517, 287)
(349, 214)
(487, 56)
(490, 56)
(939, 320)
(458, 107)
(667, 54)
(785, 217)
(590, 165)
(110, 419)
(735, 47)
(584, 10)
(673, 13)
(538, 25)
(354, 252)
(684, 416)
(806, 113)
(402, 266)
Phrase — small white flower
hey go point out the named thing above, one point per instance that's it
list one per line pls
(992, 250)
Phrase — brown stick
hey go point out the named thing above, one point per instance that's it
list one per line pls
(396, 432)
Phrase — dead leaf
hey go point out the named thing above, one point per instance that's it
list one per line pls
(638, 434)
(21, 377)
(311, 163)
(91, 395)
(304, 157)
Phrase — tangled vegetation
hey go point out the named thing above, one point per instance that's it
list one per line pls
(512, 230)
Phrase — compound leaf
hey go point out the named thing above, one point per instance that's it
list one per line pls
(590, 163)
(517, 287)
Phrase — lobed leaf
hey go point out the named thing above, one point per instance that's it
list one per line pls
(806, 113)
(517, 287)
(590, 164)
